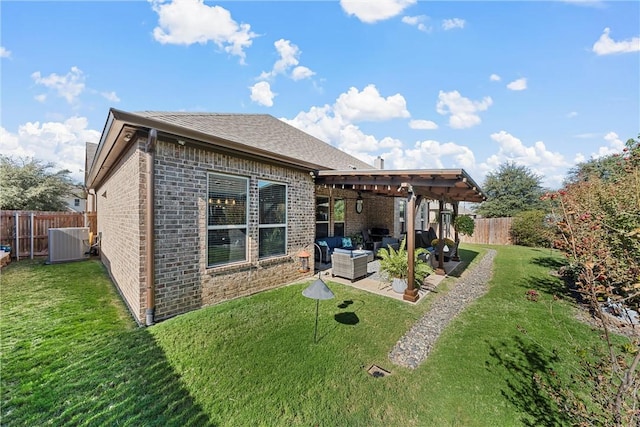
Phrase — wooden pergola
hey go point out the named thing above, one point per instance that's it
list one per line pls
(445, 185)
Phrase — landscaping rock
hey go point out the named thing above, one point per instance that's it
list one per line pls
(414, 347)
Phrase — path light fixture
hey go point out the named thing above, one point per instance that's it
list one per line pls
(318, 290)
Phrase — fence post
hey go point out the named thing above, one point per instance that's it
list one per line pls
(17, 227)
(31, 240)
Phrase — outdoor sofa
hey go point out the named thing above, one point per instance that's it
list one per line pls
(329, 244)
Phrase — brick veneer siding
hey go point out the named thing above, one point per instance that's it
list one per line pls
(378, 211)
(183, 280)
(121, 222)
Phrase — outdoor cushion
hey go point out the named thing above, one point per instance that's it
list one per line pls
(343, 251)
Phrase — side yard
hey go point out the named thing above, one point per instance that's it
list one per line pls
(72, 355)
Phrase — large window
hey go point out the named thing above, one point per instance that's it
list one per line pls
(227, 219)
(273, 219)
(322, 217)
(338, 217)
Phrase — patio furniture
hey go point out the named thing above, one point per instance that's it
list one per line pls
(368, 253)
(329, 244)
(386, 243)
(349, 267)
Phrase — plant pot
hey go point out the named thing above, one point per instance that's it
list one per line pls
(399, 285)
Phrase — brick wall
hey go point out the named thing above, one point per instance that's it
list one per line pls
(183, 280)
(120, 219)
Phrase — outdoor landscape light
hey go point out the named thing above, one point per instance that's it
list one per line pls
(317, 290)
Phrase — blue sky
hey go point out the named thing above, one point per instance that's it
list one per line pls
(423, 84)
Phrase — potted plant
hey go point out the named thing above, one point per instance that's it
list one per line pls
(395, 263)
(357, 240)
(449, 245)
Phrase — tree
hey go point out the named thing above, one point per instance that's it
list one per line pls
(599, 231)
(29, 184)
(511, 189)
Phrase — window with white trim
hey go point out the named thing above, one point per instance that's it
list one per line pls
(227, 219)
(272, 234)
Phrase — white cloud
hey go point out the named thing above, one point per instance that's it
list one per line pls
(450, 24)
(69, 86)
(417, 21)
(423, 124)
(62, 143)
(607, 46)
(495, 78)
(432, 154)
(301, 73)
(614, 146)
(110, 96)
(4, 53)
(520, 84)
(369, 105)
(373, 11)
(187, 22)
(262, 94)
(41, 98)
(548, 164)
(572, 114)
(463, 111)
(335, 123)
(289, 54)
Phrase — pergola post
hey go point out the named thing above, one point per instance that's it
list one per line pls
(440, 269)
(411, 293)
(456, 238)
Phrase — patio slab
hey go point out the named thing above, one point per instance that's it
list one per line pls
(375, 284)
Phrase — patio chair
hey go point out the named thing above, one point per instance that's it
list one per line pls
(367, 240)
(348, 267)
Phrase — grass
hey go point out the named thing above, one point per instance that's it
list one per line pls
(72, 355)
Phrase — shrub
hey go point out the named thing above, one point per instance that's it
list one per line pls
(529, 229)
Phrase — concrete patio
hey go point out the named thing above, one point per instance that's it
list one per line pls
(377, 284)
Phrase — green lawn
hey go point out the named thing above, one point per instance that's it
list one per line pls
(72, 355)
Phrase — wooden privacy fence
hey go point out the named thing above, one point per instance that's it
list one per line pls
(27, 232)
(490, 231)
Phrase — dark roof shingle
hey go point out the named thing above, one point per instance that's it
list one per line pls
(263, 132)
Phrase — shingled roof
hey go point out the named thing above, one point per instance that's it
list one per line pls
(263, 132)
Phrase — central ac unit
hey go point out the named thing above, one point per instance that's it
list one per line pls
(68, 244)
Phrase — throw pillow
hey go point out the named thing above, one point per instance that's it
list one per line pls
(322, 243)
(346, 242)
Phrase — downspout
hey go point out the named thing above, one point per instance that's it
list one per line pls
(149, 223)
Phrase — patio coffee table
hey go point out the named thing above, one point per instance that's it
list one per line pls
(364, 251)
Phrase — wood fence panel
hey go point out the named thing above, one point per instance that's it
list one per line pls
(490, 231)
(42, 222)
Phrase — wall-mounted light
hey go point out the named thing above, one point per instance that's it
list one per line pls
(181, 143)
(128, 136)
(359, 203)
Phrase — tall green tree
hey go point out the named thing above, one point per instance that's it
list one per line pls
(30, 184)
(511, 189)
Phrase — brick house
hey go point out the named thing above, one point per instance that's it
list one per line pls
(196, 208)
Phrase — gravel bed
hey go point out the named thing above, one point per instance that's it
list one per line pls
(414, 347)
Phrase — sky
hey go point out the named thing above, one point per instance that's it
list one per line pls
(422, 84)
